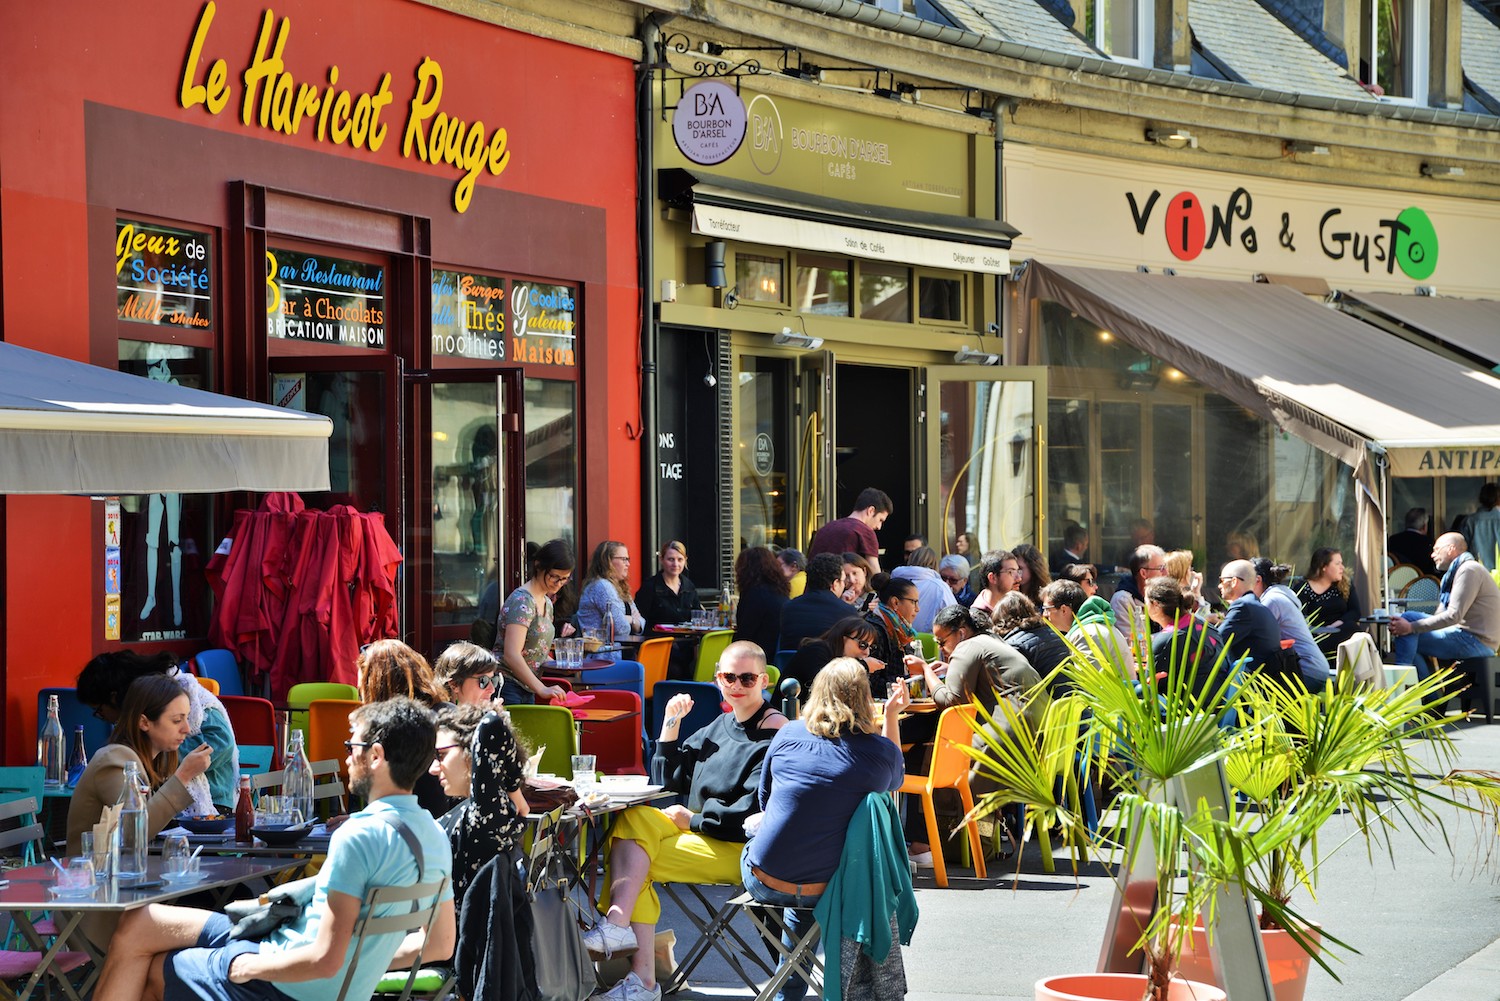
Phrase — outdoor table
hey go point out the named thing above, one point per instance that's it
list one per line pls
(684, 629)
(602, 818)
(588, 664)
(26, 891)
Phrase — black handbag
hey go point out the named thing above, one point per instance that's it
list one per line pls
(257, 917)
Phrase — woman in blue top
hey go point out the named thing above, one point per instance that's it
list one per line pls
(605, 607)
(818, 771)
(1270, 587)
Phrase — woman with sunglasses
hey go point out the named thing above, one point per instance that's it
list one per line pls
(468, 673)
(526, 624)
(852, 637)
(818, 772)
(717, 770)
(1084, 575)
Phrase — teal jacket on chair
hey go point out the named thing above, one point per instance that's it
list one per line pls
(872, 882)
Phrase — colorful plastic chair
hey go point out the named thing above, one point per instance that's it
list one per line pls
(615, 744)
(221, 666)
(210, 684)
(549, 727)
(655, 656)
(327, 729)
(298, 697)
(709, 649)
(950, 770)
(254, 722)
(708, 705)
(930, 649)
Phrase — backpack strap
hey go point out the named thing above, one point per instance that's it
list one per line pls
(412, 843)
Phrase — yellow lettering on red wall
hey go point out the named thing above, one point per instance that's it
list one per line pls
(437, 137)
(215, 94)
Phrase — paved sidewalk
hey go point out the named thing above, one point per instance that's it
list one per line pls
(1427, 925)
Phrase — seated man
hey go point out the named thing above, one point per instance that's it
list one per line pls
(306, 960)
(1467, 621)
(1249, 628)
(718, 770)
(819, 607)
(1089, 624)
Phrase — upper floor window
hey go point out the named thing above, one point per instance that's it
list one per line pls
(1397, 43)
(1121, 29)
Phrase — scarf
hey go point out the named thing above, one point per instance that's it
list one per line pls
(895, 627)
(1445, 590)
(200, 700)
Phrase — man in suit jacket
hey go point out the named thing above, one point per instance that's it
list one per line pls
(819, 607)
(1248, 627)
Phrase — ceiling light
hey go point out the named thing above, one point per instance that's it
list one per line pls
(789, 338)
(1172, 138)
(1441, 170)
(968, 356)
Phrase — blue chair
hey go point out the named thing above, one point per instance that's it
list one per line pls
(708, 705)
(221, 666)
(783, 659)
(73, 714)
(622, 676)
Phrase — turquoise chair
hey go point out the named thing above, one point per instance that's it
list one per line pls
(255, 759)
(550, 727)
(24, 782)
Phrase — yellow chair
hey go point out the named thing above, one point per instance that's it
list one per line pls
(950, 770)
(210, 684)
(654, 656)
(709, 649)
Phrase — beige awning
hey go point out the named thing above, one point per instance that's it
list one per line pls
(1471, 326)
(1332, 380)
(67, 427)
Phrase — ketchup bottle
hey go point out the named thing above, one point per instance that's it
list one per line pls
(244, 813)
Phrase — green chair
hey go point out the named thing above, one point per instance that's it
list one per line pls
(299, 696)
(550, 727)
(709, 648)
(930, 649)
(773, 675)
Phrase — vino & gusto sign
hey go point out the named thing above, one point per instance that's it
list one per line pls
(277, 96)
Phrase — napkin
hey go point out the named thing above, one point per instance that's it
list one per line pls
(572, 700)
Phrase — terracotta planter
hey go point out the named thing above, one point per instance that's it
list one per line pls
(1287, 962)
(1118, 987)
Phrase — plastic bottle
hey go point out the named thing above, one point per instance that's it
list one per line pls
(131, 836)
(297, 783)
(49, 748)
(78, 759)
(244, 813)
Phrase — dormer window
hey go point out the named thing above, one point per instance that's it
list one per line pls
(1397, 46)
(1121, 29)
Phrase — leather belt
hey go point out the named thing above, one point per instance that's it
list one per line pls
(782, 886)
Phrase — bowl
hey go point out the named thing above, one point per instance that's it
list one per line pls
(207, 825)
(282, 835)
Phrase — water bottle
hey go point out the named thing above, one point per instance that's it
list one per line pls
(78, 759)
(297, 781)
(131, 836)
(49, 748)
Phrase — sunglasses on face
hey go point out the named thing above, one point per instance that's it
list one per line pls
(442, 751)
(953, 580)
(484, 681)
(862, 644)
(747, 680)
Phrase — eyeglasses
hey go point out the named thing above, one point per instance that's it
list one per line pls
(1228, 580)
(441, 751)
(748, 679)
(953, 580)
(1088, 578)
(915, 602)
(350, 745)
(484, 681)
(1049, 608)
(622, 559)
(556, 579)
(1160, 569)
(1013, 571)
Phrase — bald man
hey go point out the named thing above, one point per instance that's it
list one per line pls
(1249, 628)
(1467, 621)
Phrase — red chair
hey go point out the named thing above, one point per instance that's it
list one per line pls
(616, 744)
(254, 722)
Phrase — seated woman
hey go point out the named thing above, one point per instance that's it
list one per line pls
(718, 771)
(1183, 640)
(669, 598)
(388, 669)
(892, 617)
(1329, 601)
(468, 674)
(152, 726)
(102, 685)
(604, 606)
(763, 591)
(817, 773)
(1085, 575)
(857, 589)
(480, 763)
(852, 637)
(1270, 587)
(1018, 623)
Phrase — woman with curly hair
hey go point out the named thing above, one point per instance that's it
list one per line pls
(1018, 623)
(1329, 600)
(388, 669)
(764, 590)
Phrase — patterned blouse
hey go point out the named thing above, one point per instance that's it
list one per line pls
(521, 610)
(487, 823)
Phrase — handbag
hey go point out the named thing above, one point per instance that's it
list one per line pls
(564, 970)
(546, 795)
(257, 917)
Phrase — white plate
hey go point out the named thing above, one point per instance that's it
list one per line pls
(623, 791)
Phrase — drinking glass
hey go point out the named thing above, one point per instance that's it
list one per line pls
(174, 854)
(583, 774)
(577, 651)
(78, 877)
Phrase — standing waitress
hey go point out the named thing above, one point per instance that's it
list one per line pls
(526, 627)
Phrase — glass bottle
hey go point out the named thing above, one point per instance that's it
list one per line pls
(49, 748)
(78, 759)
(297, 780)
(131, 835)
(244, 813)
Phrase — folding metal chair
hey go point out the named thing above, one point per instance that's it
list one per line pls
(403, 922)
(715, 925)
(801, 958)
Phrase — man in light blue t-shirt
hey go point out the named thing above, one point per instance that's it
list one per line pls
(185, 954)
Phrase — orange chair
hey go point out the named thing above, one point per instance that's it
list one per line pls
(654, 656)
(950, 770)
(327, 729)
(210, 684)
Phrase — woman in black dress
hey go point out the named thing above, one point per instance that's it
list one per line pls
(1329, 600)
(763, 591)
(669, 598)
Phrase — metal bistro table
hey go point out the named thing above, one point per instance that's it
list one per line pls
(27, 890)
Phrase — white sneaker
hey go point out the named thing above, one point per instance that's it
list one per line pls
(608, 939)
(631, 989)
(922, 860)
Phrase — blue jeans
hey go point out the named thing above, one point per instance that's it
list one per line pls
(513, 693)
(1452, 643)
(795, 922)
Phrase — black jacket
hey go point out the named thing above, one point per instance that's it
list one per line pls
(659, 604)
(811, 615)
(1250, 628)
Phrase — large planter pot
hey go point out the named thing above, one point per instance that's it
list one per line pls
(1118, 987)
(1285, 959)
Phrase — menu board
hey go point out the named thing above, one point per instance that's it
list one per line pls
(468, 315)
(544, 319)
(324, 300)
(164, 276)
